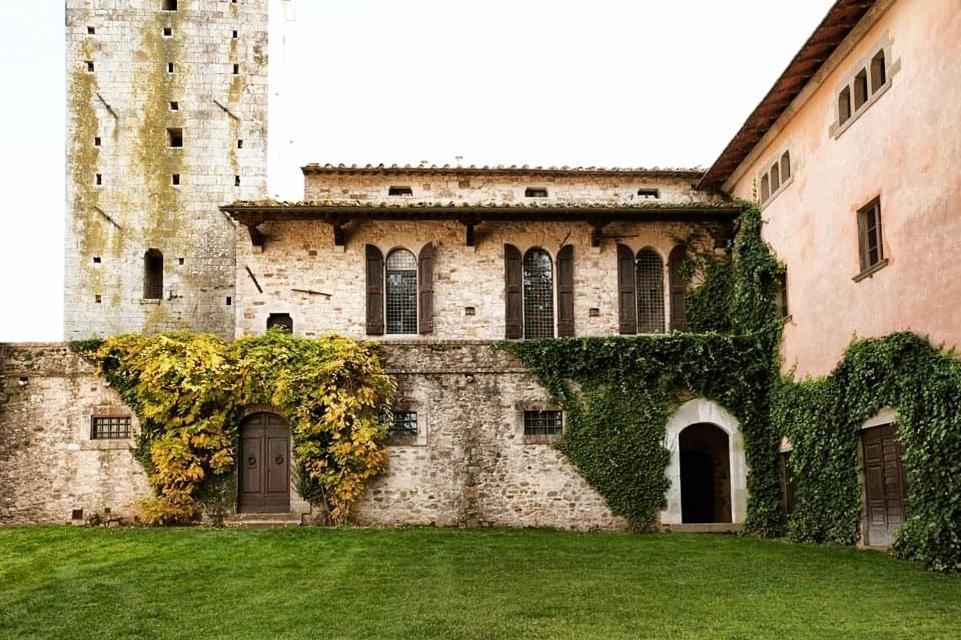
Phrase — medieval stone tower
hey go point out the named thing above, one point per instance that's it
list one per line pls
(166, 121)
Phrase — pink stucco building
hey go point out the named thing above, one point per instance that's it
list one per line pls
(855, 150)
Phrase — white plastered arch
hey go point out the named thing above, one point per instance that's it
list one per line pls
(700, 410)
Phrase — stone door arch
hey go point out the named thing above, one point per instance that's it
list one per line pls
(709, 423)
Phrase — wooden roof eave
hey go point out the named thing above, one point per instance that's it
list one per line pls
(253, 216)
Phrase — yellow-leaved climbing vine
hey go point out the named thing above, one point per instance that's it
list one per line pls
(190, 392)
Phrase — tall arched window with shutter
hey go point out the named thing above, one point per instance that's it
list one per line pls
(650, 291)
(153, 275)
(538, 273)
(401, 292)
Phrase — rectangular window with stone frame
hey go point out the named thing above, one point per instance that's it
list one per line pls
(542, 425)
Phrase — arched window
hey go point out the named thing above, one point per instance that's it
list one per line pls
(538, 294)
(786, 166)
(765, 188)
(401, 292)
(678, 278)
(153, 275)
(650, 292)
(775, 177)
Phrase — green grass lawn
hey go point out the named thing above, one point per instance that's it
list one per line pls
(436, 583)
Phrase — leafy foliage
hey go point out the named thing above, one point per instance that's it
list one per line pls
(190, 392)
(823, 419)
(619, 392)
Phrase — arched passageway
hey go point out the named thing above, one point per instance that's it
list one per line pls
(706, 469)
(705, 474)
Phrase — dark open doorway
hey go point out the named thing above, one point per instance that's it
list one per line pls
(705, 474)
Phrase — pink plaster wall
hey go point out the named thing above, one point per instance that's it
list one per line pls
(906, 147)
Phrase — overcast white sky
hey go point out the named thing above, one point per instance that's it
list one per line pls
(585, 82)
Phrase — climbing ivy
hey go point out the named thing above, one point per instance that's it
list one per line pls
(190, 391)
(823, 418)
(618, 392)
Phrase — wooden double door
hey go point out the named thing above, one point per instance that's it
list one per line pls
(264, 465)
(885, 488)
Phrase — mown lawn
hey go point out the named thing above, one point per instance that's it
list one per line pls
(436, 583)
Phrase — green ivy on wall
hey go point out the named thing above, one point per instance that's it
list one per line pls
(823, 418)
(618, 392)
(190, 390)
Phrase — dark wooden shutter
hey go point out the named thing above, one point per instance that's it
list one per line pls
(375, 291)
(626, 302)
(678, 288)
(565, 291)
(513, 293)
(425, 289)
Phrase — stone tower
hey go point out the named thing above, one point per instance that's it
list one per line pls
(166, 121)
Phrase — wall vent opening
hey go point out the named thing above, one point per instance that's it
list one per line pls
(535, 192)
(98, 298)
(180, 261)
(96, 141)
(236, 34)
(175, 138)
(649, 194)
(174, 105)
(170, 67)
(96, 260)
(230, 301)
(169, 5)
(98, 179)
(240, 144)
(236, 181)
(236, 69)
(175, 179)
(400, 191)
(90, 67)
(168, 32)
(91, 31)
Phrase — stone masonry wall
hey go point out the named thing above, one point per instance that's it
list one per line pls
(472, 464)
(469, 465)
(571, 187)
(49, 466)
(302, 255)
(128, 62)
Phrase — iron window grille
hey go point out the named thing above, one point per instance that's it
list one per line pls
(650, 292)
(110, 427)
(401, 292)
(538, 295)
(403, 423)
(543, 423)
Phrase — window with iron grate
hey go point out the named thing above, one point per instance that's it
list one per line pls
(650, 292)
(538, 295)
(401, 268)
(543, 423)
(110, 427)
(403, 423)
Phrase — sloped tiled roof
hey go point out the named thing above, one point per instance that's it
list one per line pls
(518, 170)
(840, 20)
(249, 205)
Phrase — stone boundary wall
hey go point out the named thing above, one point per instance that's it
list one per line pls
(470, 465)
(49, 466)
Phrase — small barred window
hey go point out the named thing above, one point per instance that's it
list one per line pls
(404, 423)
(110, 428)
(543, 423)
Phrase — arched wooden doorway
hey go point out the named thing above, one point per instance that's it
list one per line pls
(705, 474)
(264, 465)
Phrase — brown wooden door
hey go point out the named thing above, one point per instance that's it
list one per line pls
(884, 486)
(264, 474)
